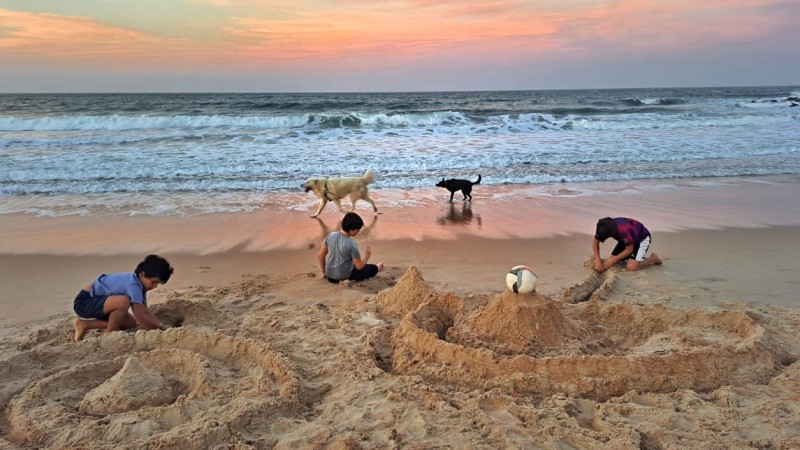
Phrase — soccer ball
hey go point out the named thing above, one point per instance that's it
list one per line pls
(521, 279)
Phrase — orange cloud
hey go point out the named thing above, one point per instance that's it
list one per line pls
(279, 34)
(76, 40)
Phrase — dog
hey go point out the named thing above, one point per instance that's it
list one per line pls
(335, 189)
(453, 185)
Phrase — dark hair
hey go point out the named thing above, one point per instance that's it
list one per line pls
(606, 228)
(352, 221)
(155, 266)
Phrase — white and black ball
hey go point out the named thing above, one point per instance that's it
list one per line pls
(521, 279)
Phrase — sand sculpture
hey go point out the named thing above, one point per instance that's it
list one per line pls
(535, 345)
(177, 388)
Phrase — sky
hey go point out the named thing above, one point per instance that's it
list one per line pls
(394, 45)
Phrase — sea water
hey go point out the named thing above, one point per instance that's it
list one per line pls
(189, 154)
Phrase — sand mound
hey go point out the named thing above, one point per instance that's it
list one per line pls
(132, 387)
(516, 324)
(200, 313)
(406, 296)
(252, 285)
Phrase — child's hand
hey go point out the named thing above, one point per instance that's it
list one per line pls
(599, 266)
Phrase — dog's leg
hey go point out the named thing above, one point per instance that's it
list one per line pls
(353, 199)
(366, 198)
(339, 204)
(322, 203)
(452, 193)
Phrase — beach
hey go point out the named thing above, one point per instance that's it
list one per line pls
(434, 352)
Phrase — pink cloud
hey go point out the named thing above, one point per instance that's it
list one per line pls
(300, 34)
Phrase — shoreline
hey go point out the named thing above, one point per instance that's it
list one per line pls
(498, 212)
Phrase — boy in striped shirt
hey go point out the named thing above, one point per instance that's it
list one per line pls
(633, 241)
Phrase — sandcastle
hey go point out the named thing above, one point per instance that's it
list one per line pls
(532, 344)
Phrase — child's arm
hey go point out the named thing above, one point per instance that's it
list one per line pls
(359, 263)
(321, 255)
(598, 261)
(145, 317)
(615, 259)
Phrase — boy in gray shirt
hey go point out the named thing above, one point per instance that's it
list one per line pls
(339, 257)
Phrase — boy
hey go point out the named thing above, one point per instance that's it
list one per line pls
(104, 303)
(339, 257)
(633, 240)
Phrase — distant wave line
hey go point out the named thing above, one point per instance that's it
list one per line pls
(562, 118)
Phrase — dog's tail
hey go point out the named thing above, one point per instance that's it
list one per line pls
(368, 177)
(479, 180)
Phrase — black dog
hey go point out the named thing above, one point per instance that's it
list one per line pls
(453, 185)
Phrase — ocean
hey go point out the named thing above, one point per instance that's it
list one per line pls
(190, 154)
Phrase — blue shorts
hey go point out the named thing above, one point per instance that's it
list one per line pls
(88, 307)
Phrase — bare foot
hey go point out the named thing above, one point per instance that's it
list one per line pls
(380, 266)
(80, 329)
(656, 260)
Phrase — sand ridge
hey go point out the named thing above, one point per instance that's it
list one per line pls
(394, 362)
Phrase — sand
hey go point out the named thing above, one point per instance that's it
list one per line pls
(432, 353)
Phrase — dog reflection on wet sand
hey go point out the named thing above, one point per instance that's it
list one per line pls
(459, 216)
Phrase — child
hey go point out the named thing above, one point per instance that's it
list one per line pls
(104, 303)
(633, 240)
(339, 257)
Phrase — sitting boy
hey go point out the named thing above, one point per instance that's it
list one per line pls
(339, 257)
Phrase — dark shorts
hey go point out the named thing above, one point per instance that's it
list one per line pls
(88, 307)
(368, 271)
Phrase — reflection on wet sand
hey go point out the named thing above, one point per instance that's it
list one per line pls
(325, 229)
(462, 216)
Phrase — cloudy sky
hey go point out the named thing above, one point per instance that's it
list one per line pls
(394, 45)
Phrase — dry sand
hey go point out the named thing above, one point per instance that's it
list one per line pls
(432, 353)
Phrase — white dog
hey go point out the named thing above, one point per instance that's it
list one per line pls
(335, 189)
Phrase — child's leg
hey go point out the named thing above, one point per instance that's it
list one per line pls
(652, 260)
(638, 261)
(81, 326)
(368, 271)
(116, 306)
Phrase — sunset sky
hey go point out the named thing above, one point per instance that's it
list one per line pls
(394, 45)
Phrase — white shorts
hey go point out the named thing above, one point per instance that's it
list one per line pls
(643, 246)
